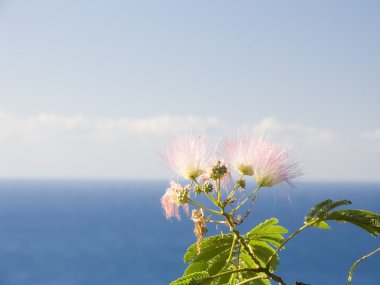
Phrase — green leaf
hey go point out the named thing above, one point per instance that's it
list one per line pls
(369, 221)
(224, 279)
(263, 252)
(246, 262)
(208, 247)
(323, 207)
(197, 266)
(212, 265)
(269, 232)
(261, 282)
(322, 225)
(218, 262)
(212, 258)
(190, 279)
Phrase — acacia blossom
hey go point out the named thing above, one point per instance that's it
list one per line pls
(272, 165)
(239, 152)
(187, 156)
(171, 201)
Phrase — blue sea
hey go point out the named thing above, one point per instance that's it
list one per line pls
(56, 232)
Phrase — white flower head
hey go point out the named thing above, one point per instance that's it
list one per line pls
(187, 156)
(272, 164)
(239, 153)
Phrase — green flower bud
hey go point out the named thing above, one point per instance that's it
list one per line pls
(241, 183)
(218, 171)
(182, 195)
(207, 187)
(197, 189)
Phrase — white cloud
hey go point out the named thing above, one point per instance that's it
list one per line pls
(51, 145)
(270, 125)
(47, 126)
(155, 125)
(371, 134)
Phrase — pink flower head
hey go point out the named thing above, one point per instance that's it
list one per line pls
(171, 201)
(239, 152)
(187, 156)
(272, 164)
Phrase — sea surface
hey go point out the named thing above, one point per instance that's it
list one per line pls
(56, 232)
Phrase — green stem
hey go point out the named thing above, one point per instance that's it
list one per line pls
(208, 279)
(287, 240)
(236, 187)
(238, 237)
(254, 192)
(203, 207)
(218, 190)
(210, 197)
(231, 251)
(196, 181)
(357, 262)
(262, 276)
(249, 251)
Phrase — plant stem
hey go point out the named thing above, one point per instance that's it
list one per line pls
(287, 240)
(231, 251)
(207, 279)
(218, 190)
(237, 238)
(203, 207)
(246, 199)
(262, 276)
(211, 198)
(357, 262)
(248, 249)
(207, 194)
(236, 187)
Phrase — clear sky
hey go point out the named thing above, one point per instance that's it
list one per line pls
(94, 89)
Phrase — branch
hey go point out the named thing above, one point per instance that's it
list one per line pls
(262, 276)
(207, 279)
(287, 240)
(357, 262)
(203, 207)
(236, 187)
(232, 250)
(246, 199)
(251, 253)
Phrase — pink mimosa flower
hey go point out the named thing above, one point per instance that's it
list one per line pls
(239, 152)
(272, 164)
(171, 201)
(187, 156)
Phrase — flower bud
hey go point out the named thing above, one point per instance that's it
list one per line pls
(182, 195)
(207, 187)
(197, 189)
(240, 183)
(218, 170)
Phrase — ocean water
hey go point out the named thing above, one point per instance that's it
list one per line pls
(114, 232)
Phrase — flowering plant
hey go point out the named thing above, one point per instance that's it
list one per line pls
(233, 257)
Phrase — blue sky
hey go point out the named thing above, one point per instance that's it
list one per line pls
(94, 89)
